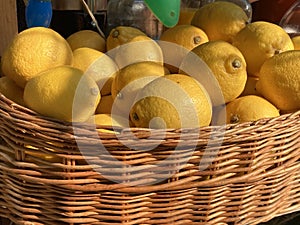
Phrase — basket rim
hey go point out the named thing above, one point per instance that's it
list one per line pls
(13, 106)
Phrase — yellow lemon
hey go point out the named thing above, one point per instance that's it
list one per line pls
(220, 20)
(107, 119)
(250, 87)
(139, 49)
(11, 90)
(105, 105)
(249, 108)
(226, 63)
(63, 93)
(279, 80)
(186, 15)
(106, 88)
(187, 36)
(96, 64)
(121, 35)
(84, 57)
(177, 41)
(35, 50)
(172, 101)
(87, 38)
(259, 41)
(296, 42)
(131, 79)
(34, 154)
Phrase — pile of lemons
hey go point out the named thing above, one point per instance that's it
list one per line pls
(128, 79)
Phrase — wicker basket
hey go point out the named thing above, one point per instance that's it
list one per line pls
(51, 174)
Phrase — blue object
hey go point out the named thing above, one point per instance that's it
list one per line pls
(38, 13)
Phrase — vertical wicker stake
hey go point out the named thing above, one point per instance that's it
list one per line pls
(93, 18)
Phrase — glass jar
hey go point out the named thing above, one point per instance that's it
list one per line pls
(270, 10)
(134, 13)
(290, 21)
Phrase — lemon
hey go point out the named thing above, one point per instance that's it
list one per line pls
(34, 154)
(11, 90)
(105, 105)
(106, 88)
(249, 108)
(220, 20)
(139, 49)
(131, 79)
(107, 119)
(296, 42)
(87, 38)
(279, 80)
(259, 41)
(250, 87)
(226, 63)
(32, 51)
(186, 15)
(121, 35)
(84, 57)
(172, 101)
(37, 156)
(96, 64)
(63, 93)
(187, 36)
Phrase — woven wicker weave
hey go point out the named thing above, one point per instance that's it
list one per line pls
(254, 175)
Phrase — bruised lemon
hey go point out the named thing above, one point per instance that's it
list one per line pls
(249, 108)
(172, 101)
(63, 93)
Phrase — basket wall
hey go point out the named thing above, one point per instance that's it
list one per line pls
(47, 179)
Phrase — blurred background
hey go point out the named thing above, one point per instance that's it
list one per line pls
(69, 15)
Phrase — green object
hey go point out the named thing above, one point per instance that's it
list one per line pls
(167, 11)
